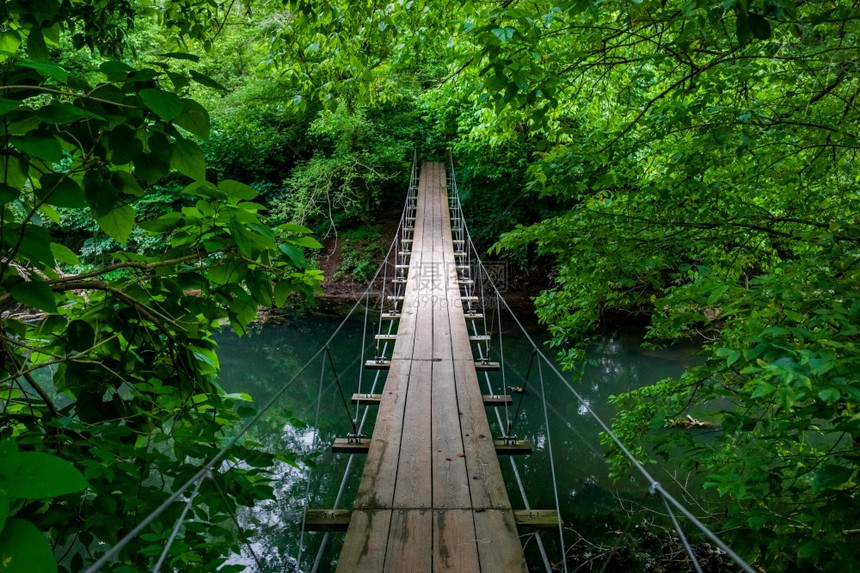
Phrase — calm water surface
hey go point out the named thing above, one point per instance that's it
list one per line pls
(261, 363)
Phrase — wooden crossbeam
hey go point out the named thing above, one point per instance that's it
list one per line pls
(480, 366)
(337, 520)
(490, 400)
(362, 446)
(385, 336)
(518, 447)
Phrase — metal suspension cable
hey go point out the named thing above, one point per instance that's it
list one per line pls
(340, 390)
(307, 468)
(502, 360)
(157, 567)
(682, 536)
(653, 483)
(345, 476)
(235, 520)
(552, 467)
(119, 545)
(636, 463)
(363, 344)
(518, 479)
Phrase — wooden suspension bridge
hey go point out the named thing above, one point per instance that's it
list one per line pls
(431, 497)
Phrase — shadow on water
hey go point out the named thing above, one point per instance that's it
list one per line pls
(262, 362)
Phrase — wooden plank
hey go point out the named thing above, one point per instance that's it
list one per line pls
(432, 468)
(409, 542)
(366, 541)
(490, 400)
(385, 336)
(485, 476)
(367, 399)
(498, 541)
(376, 488)
(347, 446)
(415, 462)
(534, 519)
(450, 480)
(327, 519)
(454, 544)
(515, 448)
(413, 486)
(337, 520)
(377, 364)
(482, 366)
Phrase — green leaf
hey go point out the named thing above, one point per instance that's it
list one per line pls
(832, 476)
(80, 335)
(100, 193)
(187, 158)
(206, 81)
(163, 224)
(742, 27)
(7, 448)
(830, 395)
(37, 475)
(282, 291)
(9, 41)
(181, 56)
(64, 191)
(36, 47)
(308, 242)
(166, 105)
(762, 389)
(124, 145)
(126, 183)
(23, 549)
(4, 509)
(8, 194)
(64, 113)
(237, 191)
(39, 144)
(64, 254)
(194, 118)
(47, 70)
(13, 171)
(34, 294)
(759, 26)
(7, 105)
(118, 223)
(295, 254)
(115, 67)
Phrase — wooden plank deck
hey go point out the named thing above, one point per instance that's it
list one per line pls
(431, 497)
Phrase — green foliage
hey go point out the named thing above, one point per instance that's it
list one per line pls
(705, 156)
(107, 363)
(361, 252)
(30, 476)
(356, 155)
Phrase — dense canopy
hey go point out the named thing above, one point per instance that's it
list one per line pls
(692, 164)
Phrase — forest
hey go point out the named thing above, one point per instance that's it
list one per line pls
(170, 168)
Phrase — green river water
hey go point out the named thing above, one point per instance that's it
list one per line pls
(259, 364)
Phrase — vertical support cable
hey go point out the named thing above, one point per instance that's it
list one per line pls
(552, 467)
(157, 567)
(308, 471)
(677, 525)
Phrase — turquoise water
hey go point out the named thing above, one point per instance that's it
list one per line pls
(261, 363)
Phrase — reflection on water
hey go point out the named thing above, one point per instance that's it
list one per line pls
(261, 363)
